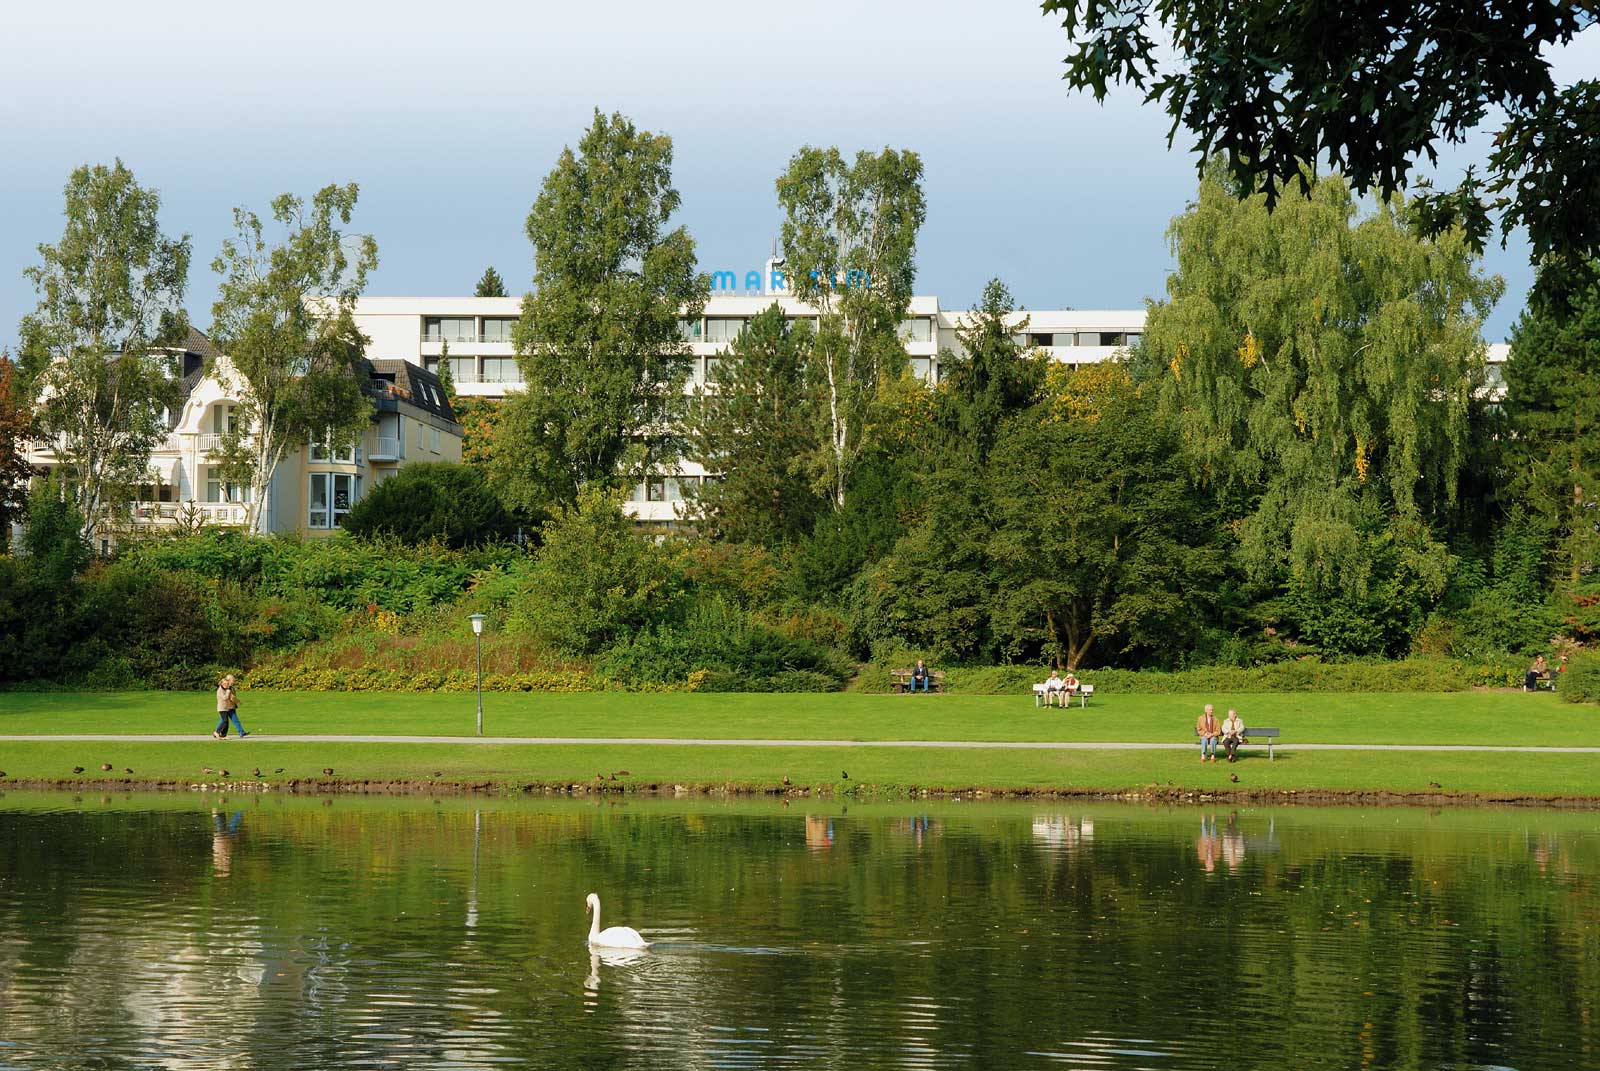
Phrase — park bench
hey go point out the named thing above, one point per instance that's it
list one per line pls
(1254, 733)
(1041, 694)
(1543, 684)
(902, 680)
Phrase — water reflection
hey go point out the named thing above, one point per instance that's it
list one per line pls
(358, 933)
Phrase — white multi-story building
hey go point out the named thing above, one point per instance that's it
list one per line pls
(476, 335)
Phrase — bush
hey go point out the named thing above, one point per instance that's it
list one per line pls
(1581, 681)
(433, 502)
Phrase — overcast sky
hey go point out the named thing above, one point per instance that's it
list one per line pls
(449, 116)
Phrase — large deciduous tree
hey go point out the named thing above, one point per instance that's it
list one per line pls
(1371, 87)
(284, 318)
(599, 340)
(849, 244)
(1553, 406)
(110, 300)
(1326, 365)
(756, 430)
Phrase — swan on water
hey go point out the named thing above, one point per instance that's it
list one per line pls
(614, 936)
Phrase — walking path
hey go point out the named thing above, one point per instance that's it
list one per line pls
(664, 741)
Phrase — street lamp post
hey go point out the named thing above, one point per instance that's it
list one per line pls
(477, 631)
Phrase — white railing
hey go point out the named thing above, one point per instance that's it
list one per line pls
(228, 513)
(209, 442)
(386, 448)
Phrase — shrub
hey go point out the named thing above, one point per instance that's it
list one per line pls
(433, 502)
(1581, 681)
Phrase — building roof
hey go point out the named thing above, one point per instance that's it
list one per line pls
(414, 384)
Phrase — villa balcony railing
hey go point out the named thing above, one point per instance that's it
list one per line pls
(386, 448)
(166, 513)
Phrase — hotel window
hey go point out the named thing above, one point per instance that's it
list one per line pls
(689, 330)
(1132, 338)
(918, 330)
(656, 489)
(638, 493)
(433, 439)
(464, 369)
(713, 369)
(1040, 339)
(218, 491)
(449, 329)
(501, 370)
(497, 328)
(674, 492)
(1101, 338)
(721, 329)
(223, 419)
(330, 498)
(922, 368)
(1063, 338)
(1021, 340)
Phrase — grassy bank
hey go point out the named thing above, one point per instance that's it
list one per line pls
(1486, 719)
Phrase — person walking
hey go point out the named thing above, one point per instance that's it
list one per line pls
(228, 708)
(1207, 729)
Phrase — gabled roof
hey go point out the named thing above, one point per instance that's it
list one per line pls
(415, 384)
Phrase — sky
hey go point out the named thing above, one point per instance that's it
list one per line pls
(450, 115)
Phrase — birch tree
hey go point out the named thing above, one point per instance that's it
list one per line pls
(284, 319)
(849, 243)
(110, 301)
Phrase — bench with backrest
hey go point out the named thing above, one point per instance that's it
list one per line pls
(901, 679)
(1042, 694)
(1253, 733)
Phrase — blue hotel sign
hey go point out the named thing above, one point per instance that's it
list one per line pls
(727, 282)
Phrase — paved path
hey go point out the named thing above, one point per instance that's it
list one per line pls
(666, 741)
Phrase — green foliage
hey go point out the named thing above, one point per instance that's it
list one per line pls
(1553, 450)
(717, 637)
(1327, 367)
(1371, 88)
(822, 565)
(599, 341)
(16, 420)
(433, 502)
(757, 427)
(992, 378)
(597, 579)
(1581, 681)
(53, 538)
(490, 284)
(284, 316)
(110, 297)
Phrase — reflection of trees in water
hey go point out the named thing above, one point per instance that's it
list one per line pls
(307, 931)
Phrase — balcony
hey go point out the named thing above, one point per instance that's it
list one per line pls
(210, 442)
(386, 448)
(169, 513)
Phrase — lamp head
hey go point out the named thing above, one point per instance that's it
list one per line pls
(477, 622)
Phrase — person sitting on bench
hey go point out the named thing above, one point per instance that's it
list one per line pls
(1207, 729)
(921, 676)
(1539, 671)
(1054, 686)
(1232, 734)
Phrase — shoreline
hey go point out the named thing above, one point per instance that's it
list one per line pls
(1175, 794)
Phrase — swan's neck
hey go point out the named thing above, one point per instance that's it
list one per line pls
(594, 923)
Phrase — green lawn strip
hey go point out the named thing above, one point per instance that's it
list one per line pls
(1388, 718)
(1490, 772)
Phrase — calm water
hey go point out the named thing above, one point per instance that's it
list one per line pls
(262, 932)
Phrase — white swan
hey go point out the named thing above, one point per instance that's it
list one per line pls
(615, 936)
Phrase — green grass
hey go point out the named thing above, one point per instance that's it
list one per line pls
(1458, 718)
(1498, 774)
(1378, 718)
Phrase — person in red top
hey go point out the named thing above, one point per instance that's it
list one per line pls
(1209, 731)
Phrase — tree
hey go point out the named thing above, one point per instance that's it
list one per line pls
(284, 316)
(1370, 87)
(490, 285)
(433, 502)
(992, 378)
(1553, 406)
(849, 243)
(1316, 362)
(599, 342)
(15, 430)
(597, 579)
(1101, 541)
(110, 299)
(757, 429)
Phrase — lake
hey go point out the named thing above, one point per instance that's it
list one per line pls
(270, 931)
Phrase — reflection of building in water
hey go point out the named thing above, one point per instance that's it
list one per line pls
(1063, 831)
(819, 832)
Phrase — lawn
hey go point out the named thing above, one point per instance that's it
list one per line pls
(1460, 718)
(1376, 718)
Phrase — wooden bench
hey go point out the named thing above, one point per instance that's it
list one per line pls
(902, 680)
(1252, 731)
(1542, 684)
(1041, 694)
